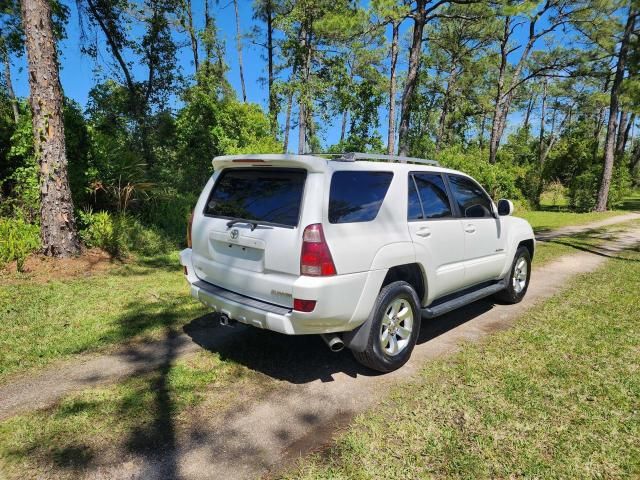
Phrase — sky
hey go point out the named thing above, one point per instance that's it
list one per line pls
(77, 73)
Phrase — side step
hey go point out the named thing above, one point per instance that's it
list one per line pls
(463, 298)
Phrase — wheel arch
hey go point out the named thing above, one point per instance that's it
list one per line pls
(413, 274)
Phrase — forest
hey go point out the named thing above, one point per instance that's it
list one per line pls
(538, 100)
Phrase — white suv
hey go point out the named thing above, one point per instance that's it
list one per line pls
(353, 248)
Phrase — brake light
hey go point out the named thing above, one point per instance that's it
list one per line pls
(189, 227)
(304, 305)
(315, 258)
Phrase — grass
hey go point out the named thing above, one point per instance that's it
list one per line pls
(554, 216)
(566, 245)
(557, 396)
(137, 416)
(43, 322)
(542, 220)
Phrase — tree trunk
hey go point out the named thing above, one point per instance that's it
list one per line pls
(627, 131)
(207, 44)
(9, 85)
(192, 34)
(622, 127)
(287, 124)
(412, 77)
(442, 136)
(391, 136)
(273, 101)
(541, 149)
(610, 142)
(343, 127)
(527, 115)
(303, 114)
(57, 224)
(302, 128)
(239, 48)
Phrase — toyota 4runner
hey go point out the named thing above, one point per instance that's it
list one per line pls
(359, 249)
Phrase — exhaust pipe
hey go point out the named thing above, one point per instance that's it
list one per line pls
(333, 341)
(225, 321)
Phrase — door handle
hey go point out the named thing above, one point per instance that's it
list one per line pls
(424, 232)
(470, 228)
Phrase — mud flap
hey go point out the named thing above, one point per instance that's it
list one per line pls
(358, 338)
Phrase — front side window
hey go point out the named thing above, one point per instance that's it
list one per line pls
(433, 194)
(271, 195)
(356, 196)
(471, 199)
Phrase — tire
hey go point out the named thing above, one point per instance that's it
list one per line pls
(379, 354)
(518, 279)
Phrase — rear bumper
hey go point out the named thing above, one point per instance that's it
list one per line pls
(335, 311)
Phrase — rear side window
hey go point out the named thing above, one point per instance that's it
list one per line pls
(471, 199)
(356, 196)
(269, 195)
(433, 196)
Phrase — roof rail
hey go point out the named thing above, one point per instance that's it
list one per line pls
(353, 156)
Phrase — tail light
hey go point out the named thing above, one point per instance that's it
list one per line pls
(304, 305)
(315, 258)
(189, 227)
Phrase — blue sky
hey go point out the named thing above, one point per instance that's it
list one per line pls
(78, 76)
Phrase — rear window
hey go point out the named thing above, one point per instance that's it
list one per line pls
(357, 196)
(269, 195)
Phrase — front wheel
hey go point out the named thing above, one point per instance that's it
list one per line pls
(519, 275)
(394, 330)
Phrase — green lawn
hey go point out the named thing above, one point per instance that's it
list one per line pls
(557, 396)
(542, 220)
(552, 249)
(42, 322)
(549, 218)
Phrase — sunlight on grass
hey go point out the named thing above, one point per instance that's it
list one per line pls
(548, 220)
(556, 396)
(42, 322)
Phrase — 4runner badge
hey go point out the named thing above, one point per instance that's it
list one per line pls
(234, 234)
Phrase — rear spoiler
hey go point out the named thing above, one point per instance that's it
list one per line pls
(308, 162)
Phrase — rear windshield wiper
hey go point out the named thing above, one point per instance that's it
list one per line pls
(231, 223)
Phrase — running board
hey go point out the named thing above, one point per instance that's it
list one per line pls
(462, 299)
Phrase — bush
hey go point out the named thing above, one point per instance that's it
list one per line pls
(500, 179)
(17, 240)
(583, 189)
(169, 211)
(121, 234)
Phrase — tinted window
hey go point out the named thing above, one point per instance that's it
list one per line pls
(357, 196)
(262, 195)
(471, 199)
(433, 194)
(414, 207)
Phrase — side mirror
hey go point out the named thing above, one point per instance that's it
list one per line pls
(505, 207)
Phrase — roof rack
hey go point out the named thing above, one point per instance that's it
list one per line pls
(353, 156)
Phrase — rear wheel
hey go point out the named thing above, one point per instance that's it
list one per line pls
(519, 276)
(394, 330)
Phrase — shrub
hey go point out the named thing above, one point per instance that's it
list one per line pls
(17, 240)
(121, 234)
(499, 179)
(583, 189)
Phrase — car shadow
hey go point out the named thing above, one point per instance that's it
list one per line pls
(300, 359)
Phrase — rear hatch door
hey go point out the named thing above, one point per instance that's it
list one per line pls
(247, 236)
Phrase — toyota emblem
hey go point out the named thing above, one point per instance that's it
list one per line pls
(234, 234)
